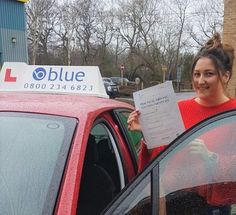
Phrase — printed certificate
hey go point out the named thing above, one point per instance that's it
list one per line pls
(160, 117)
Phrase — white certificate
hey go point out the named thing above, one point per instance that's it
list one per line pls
(160, 117)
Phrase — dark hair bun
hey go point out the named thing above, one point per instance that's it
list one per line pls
(221, 54)
(214, 42)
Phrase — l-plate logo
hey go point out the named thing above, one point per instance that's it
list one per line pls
(8, 77)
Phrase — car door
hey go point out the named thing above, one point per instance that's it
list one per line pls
(195, 174)
(132, 138)
(110, 161)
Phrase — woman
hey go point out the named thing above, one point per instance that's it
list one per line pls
(211, 71)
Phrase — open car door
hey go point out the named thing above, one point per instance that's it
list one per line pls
(195, 174)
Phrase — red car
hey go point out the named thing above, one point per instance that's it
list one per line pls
(62, 153)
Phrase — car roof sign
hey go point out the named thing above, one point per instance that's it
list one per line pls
(18, 76)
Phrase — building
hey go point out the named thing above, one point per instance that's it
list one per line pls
(13, 41)
(229, 36)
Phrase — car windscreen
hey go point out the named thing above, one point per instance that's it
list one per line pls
(33, 153)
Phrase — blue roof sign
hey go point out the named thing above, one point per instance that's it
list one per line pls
(52, 79)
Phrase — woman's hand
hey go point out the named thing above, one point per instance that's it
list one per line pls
(133, 121)
(198, 147)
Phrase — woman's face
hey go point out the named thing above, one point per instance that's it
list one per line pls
(206, 80)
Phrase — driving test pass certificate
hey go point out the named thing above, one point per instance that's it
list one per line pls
(160, 117)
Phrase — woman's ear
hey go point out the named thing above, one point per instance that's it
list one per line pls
(226, 77)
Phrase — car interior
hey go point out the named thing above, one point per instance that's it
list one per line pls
(107, 160)
(99, 183)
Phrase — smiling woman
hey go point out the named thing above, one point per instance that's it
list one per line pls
(208, 83)
(211, 72)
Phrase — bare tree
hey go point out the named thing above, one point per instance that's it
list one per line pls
(127, 28)
(148, 36)
(104, 34)
(148, 48)
(208, 18)
(47, 36)
(179, 12)
(65, 29)
(86, 13)
(39, 24)
(136, 21)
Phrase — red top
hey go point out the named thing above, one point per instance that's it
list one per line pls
(193, 113)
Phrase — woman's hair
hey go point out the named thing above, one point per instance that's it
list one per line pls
(222, 55)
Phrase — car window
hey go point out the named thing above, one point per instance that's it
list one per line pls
(184, 180)
(138, 201)
(33, 151)
(201, 171)
(107, 80)
(103, 175)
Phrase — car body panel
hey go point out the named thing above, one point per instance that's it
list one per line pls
(58, 104)
(85, 109)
